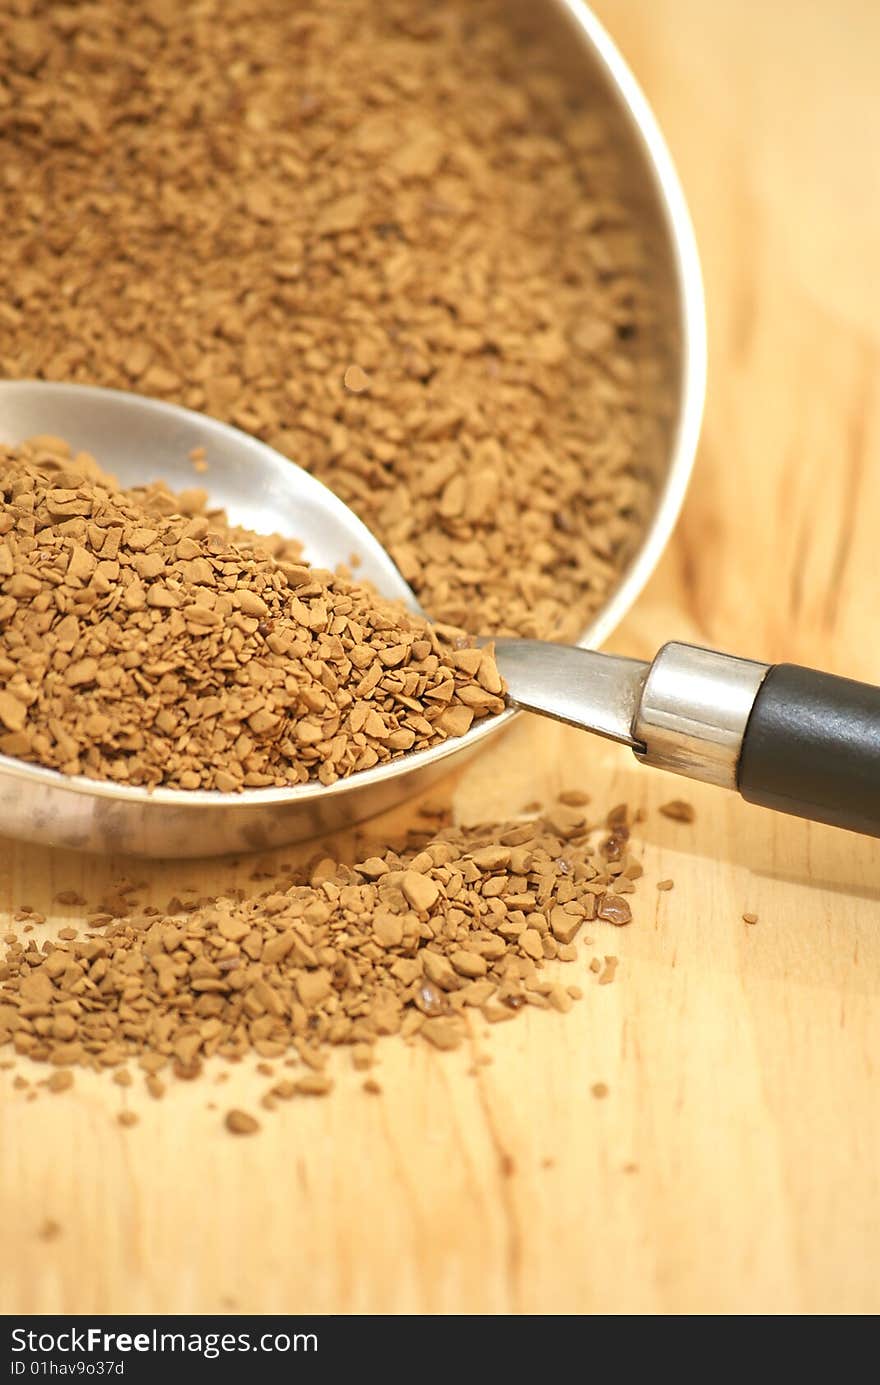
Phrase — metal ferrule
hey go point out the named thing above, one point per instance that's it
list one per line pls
(693, 712)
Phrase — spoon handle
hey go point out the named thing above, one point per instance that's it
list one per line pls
(788, 738)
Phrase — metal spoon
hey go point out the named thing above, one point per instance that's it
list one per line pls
(793, 739)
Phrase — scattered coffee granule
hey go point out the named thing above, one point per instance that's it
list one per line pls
(60, 1081)
(372, 1087)
(609, 971)
(128, 1118)
(462, 920)
(614, 910)
(68, 897)
(145, 641)
(241, 1123)
(362, 1057)
(313, 1084)
(678, 810)
(396, 189)
(285, 1089)
(187, 1071)
(599, 1090)
(750, 918)
(665, 884)
(49, 1230)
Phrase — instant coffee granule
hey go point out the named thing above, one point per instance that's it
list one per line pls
(409, 942)
(144, 640)
(240, 1123)
(381, 235)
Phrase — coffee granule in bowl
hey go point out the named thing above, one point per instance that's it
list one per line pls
(146, 641)
(389, 242)
(408, 942)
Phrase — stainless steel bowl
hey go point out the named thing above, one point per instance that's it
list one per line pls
(42, 805)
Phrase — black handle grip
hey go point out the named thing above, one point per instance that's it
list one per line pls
(812, 748)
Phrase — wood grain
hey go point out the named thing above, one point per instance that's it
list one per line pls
(733, 1166)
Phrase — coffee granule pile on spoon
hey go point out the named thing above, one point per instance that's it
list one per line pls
(145, 641)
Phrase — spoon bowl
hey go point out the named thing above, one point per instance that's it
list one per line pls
(138, 439)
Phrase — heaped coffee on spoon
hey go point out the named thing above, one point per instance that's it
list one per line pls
(145, 641)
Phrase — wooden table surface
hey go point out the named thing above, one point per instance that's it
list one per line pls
(734, 1165)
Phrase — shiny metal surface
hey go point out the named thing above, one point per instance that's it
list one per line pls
(598, 692)
(138, 439)
(142, 440)
(693, 712)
